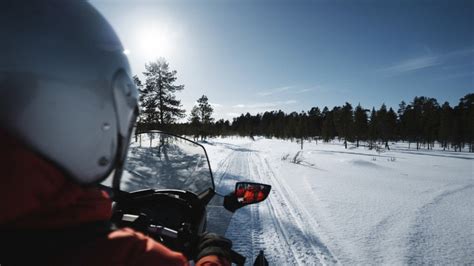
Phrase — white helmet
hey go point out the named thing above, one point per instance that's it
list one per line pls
(65, 86)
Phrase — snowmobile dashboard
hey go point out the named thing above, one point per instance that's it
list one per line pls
(169, 216)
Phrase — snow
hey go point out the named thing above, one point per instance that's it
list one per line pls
(331, 205)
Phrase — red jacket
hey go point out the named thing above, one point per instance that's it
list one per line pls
(35, 196)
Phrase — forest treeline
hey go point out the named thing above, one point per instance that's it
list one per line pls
(423, 121)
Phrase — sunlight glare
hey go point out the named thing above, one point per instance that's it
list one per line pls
(157, 40)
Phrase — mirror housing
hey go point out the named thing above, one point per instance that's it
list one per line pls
(246, 193)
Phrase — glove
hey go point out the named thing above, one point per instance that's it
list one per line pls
(214, 244)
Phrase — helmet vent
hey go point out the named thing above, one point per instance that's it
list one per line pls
(103, 161)
(105, 126)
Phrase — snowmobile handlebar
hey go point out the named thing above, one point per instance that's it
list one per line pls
(159, 230)
(235, 257)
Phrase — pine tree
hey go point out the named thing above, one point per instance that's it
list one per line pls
(465, 116)
(205, 110)
(195, 122)
(148, 114)
(201, 116)
(425, 120)
(158, 100)
(382, 127)
(386, 124)
(315, 121)
(373, 128)
(302, 127)
(431, 112)
(445, 133)
(328, 130)
(361, 124)
(416, 125)
(402, 123)
(343, 120)
(392, 121)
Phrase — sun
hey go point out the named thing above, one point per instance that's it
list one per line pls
(156, 40)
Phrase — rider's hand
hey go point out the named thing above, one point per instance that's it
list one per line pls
(214, 244)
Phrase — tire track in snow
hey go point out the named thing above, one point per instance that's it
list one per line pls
(378, 239)
(259, 223)
(255, 227)
(244, 224)
(279, 226)
(421, 241)
(224, 164)
(300, 233)
(276, 245)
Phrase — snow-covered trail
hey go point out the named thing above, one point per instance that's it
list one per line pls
(280, 226)
(412, 209)
(349, 206)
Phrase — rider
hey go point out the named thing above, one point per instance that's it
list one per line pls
(67, 107)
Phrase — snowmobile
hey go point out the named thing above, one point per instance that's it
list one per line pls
(167, 191)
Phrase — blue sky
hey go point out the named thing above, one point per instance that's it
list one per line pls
(253, 56)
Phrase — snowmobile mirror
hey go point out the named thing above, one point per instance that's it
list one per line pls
(246, 193)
